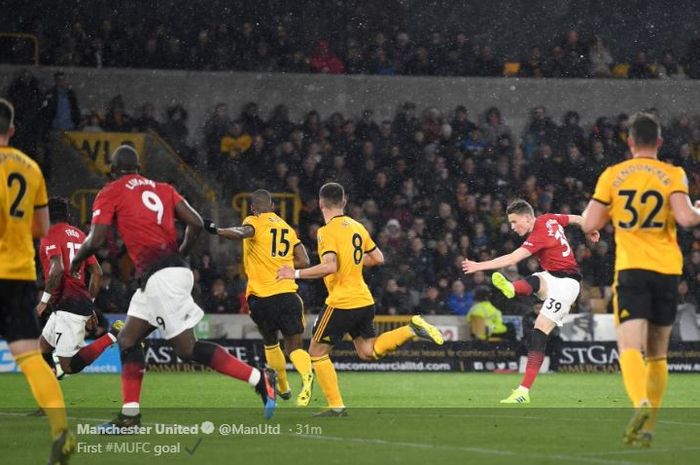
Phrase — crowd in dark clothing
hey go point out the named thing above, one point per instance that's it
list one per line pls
(431, 187)
(262, 47)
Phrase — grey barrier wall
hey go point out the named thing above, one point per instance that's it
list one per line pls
(200, 91)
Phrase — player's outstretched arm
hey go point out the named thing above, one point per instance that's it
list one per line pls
(329, 265)
(95, 278)
(301, 258)
(594, 216)
(503, 261)
(374, 258)
(232, 233)
(188, 215)
(94, 240)
(686, 214)
(593, 236)
(53, 281)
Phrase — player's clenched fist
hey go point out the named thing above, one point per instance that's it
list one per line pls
(285, 272)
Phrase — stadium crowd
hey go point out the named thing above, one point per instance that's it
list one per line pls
(431, 187)
(260, 47)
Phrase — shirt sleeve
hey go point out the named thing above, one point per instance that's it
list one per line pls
(49, 248)
(326, 243)
(102, 209)
(250, 221)
(42, 199)
(679, 181)
(91, 260)
(602, 191)
(369, 243)
(563, 220)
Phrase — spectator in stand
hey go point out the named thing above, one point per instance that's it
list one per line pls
(220, 301)
(534, 65)
(460, 58)
(461, 125)
(25, 95)
(394, 299)
(147, 121)
(93, 122)
(600, 59)
(117, 120)
(381, 63)
(431, 303)
(571, 132)
(112, 296)
(640, 68)
(252, 123)
(668, 67)
(324, 61)
(540, 130)
(495, 127)
(175, 133)
(555, 67)
(214, 130)
(459, 301)
(421, 64)
(486, 64)
(575, 56)
(60, 109)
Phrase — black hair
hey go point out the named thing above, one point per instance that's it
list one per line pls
(58, 209)
(333, 193)
(645, 129)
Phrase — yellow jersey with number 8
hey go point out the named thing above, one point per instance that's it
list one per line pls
(22, 189)
(638, 193)
(349, 241)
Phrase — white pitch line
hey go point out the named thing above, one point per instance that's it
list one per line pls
(477, 450)
(643, 451)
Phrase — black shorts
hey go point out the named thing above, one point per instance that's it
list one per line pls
(333, 323)
(81, 307)
(648, 295)
(18, 319)
(280, 312)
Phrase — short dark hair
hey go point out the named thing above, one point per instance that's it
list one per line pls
(333, 193)
(520, 207)
(58, 209)
(7, 116)
(645, 129)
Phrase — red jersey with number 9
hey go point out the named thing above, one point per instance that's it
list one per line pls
(64, 240)
(548, 243)
(144, 212)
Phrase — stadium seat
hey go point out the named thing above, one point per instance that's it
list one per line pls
(620, 70)
(511, 68)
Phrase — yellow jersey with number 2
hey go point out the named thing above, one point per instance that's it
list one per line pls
(22, 190)
(349, 241)
(638, 193)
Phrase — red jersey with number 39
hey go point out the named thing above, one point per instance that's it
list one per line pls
(64, 240)
(144, 212)
(547, 242)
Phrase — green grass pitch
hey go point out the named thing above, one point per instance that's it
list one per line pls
(393, 419)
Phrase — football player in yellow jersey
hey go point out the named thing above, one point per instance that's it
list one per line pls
(345, 246)
(644, 198)
(269, 243)
(24, 216)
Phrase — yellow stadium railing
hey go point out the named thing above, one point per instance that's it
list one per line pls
(30, 37)
(240, 203)
(82, 199)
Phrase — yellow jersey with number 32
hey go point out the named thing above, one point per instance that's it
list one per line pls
(349, 241)
(22, 189)
(638, 193)
(270, 248)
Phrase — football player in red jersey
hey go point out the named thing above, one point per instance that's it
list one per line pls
(70, 299)
(557, 286)
(145, 212)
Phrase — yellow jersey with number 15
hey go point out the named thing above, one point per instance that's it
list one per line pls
(22, 190)
(349, 241)
(270, 248)
(638, 193)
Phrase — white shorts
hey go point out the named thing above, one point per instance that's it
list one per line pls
(65, 332)
(561, 295)
(167, 302)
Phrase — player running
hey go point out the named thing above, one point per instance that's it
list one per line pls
(557, 286)
(24, 217)
(70, 299)
(644, 198)
(274, 305)
(345, 247)
(145, 212)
